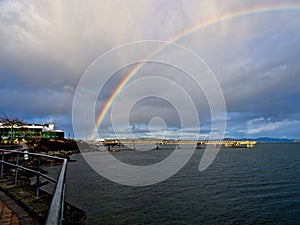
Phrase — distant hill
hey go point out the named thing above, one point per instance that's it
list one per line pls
(268, 139)
(265, 139)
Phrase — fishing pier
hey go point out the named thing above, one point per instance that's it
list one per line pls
(180, 143)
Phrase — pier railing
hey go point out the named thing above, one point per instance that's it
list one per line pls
(16, 159)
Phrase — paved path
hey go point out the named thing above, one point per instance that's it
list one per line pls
(7, 217)
(12, 214)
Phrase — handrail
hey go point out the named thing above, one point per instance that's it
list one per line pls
(56, 212)
(56, 209)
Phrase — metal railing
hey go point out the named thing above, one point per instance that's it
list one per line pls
(56, 210)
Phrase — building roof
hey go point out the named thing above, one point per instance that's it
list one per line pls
(43, 127)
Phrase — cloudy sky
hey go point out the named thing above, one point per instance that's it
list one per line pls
(251, 49)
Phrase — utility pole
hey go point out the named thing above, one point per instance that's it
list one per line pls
(86, 129)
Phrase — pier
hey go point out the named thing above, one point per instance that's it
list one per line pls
(199, 144)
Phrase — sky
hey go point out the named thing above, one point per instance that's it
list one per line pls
(243, 55)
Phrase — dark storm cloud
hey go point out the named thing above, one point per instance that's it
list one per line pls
(45, 47)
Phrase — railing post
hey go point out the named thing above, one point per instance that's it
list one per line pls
(37, 188)
(16, 170)
(2, 162)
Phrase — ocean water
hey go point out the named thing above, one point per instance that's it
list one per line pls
(242, 186)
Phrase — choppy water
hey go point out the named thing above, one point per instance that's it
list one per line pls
(242, 186)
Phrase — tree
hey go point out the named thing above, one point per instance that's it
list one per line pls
(11, 121)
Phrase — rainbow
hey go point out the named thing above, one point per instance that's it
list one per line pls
(115, 93)
(67, 96)
(183, 33)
